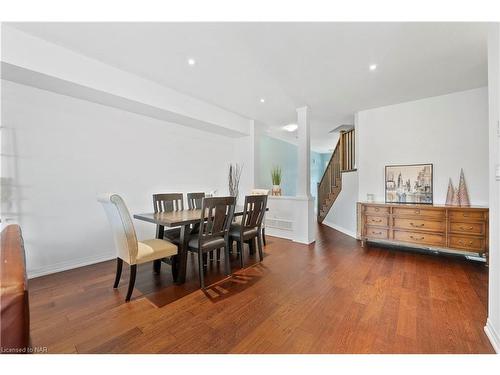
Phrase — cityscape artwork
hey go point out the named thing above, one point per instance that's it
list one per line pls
(408, 183)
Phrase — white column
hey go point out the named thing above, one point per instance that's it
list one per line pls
(305, 220)
(304, 153)
(492, 327)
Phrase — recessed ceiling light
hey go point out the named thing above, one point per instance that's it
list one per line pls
(262, 100)
(290, 127)
(373, 67)
(191, 62)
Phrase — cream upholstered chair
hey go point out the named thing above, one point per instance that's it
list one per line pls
(130, 250)
(262, 192)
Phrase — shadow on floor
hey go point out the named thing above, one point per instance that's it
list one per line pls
(160, 290)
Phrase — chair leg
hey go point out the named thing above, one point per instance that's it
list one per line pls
(157, 266)
(259, 246)
(218, 254)
(227, 262)
(131, 283)
(200, 268)
(205, 259)
(119, 265)
(264, 236)
(211, 255)
(230, 245)
(239, 246)
(251, 246)
(175, 269)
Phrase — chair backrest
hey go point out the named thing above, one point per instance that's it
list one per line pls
(194, 200)
(216, 217)
(259, 192)
(253, 211)
(121, 225)
(168, 202)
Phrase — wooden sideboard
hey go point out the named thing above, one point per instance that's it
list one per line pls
(452, 229)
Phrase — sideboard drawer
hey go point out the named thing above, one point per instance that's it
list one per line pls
(378, 233)
(420, 238)
(461, 215)
(381, 221)
(419, 212)
(470, 228)
(375, 210)
(467, 243)
(420, 224)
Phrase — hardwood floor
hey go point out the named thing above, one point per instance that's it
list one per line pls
(329, 297)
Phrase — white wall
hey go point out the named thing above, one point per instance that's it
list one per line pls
(297, 210)
(450, 131)
(342, 215)
(493, 324)
(60, 152)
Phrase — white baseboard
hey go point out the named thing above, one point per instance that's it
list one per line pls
(275, 232)
(492, 336)
(340, 229)
(302, 241)
(69, 265)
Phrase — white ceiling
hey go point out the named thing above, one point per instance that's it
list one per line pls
(322, 65)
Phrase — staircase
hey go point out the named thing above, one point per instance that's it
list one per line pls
(342, 160)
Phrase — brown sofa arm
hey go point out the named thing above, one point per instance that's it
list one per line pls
(14, 301)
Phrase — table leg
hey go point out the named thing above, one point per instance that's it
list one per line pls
(160, 229)
(183, 252)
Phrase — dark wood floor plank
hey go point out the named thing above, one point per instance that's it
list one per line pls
(329, 297)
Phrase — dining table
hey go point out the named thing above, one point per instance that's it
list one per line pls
(183, 219)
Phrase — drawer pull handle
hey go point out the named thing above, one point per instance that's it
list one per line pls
(465, 214)
(417, 225)
(376, 232)
(377, 221)
(462, 242)
(417, 239)
(417, 212)
(377, 209)
(468, 228)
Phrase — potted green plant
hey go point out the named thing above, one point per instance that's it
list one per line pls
(276, 175)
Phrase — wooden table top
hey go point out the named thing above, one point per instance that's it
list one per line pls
(178, 218)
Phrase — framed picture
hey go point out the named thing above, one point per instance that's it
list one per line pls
(409, 184)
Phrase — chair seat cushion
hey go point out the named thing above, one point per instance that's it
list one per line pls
(214, 243)
(235, 231)
(150, 250)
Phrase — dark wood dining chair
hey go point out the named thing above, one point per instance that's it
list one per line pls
(216, 217)
(250, 227)
(194, 203)
(263, 229)
(194, 200)
(167, 202)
